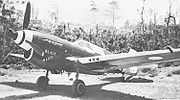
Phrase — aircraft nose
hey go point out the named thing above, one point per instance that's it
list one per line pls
(20, 38)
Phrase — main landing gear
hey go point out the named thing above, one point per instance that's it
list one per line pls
(78, 87)
(43, 81)
(127, 78)
(123, 77)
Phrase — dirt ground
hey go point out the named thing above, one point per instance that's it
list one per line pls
(103, 87)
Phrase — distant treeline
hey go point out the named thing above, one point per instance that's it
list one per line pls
(108, 39)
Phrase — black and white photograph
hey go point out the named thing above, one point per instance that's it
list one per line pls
(89, 50)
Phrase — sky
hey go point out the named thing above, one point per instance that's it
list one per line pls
(78, 11)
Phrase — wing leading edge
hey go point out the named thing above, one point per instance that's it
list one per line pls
(132, 59)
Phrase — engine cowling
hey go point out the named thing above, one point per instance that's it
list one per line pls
(34, 58)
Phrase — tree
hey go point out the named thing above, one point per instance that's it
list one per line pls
(93, 9)
(142, 17)
(170, 19)
(126, 24)
(112, 12)
(6, 22)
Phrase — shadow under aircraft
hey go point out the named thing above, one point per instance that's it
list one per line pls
(95, 92)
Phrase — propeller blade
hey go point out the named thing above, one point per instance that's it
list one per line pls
(17, 55)
(12, 54)
(27, 16)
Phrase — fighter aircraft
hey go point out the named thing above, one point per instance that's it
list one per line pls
(55, 55)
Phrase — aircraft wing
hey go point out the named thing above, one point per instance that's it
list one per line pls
(132, 59)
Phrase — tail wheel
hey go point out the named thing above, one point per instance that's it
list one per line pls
(42, 82)
(78, 88)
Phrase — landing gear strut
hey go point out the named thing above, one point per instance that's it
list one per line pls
(43, 81)
(78, 87)
(123, 77)
(127, 78)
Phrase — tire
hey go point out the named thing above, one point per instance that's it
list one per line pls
(78, 88)
(42, 82)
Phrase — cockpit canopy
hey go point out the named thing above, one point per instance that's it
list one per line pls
(91, 47)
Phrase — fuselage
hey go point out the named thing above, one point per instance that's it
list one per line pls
(55, 50)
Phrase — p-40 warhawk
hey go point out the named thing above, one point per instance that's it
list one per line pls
(55, 54)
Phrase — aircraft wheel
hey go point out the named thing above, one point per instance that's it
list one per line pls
(78, 88)
(42, 82)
